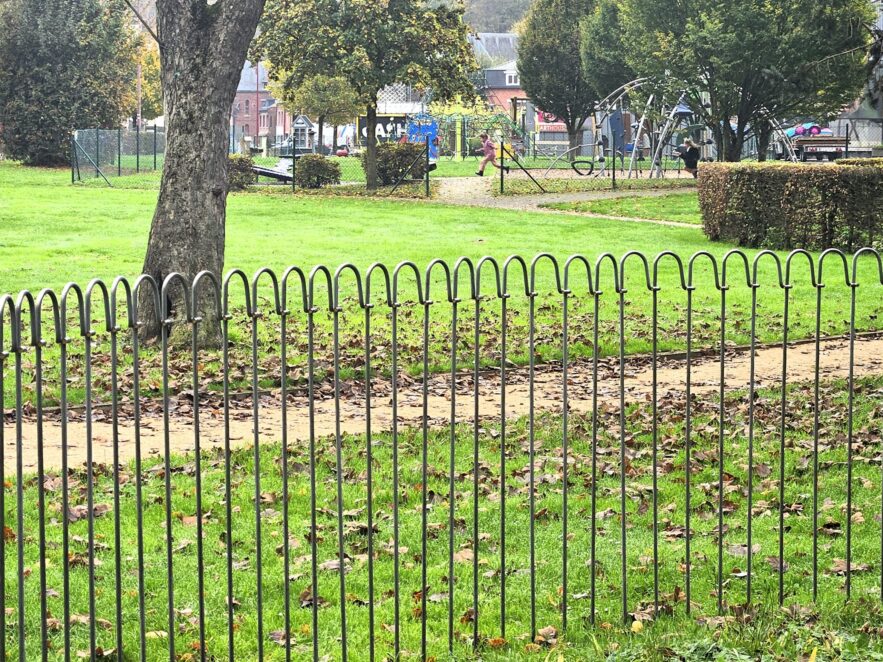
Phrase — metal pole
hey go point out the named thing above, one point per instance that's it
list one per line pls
(119, 151)
(73, 155)
(154, 146)
(293, 165)
(426, 173)
(613, 156)
(97, 152)
(502, 168)
(138, 146)
(847, 141)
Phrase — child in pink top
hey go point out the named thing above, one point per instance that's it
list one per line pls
(490, 155)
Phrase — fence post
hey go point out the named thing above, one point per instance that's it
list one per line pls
(73, 147)
(137, 147)
(293, 166)
(426, 174)
(847, 141)
(613, 155)
(154, 146)
(502, 165)
(119, 151)
(97, 150)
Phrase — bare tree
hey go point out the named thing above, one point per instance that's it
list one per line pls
(203, 44)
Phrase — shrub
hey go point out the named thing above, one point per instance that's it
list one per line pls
(239, 172)
(316, 171)
(393, 160)
(787, 206)
(875, 162)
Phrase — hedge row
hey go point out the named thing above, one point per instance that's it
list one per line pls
(788, 206)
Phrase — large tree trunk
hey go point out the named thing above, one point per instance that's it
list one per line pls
(573, 133)
(320, 138)
(202, 50)
(371, 147)
(334, 140)
(764, 137)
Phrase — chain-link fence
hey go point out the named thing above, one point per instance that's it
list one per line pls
(105, 154)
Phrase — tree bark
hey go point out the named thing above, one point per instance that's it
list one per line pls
(764, 137)
(320, 138)
(202, 50)
(371, 147)
(334, 140)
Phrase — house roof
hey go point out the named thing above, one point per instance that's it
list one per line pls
(247, 78)
(511, 65)
(494, 46)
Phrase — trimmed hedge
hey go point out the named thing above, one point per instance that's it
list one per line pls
(315, 171)
(875, 162)
(393, 160)
(786, 206)
(239, 172)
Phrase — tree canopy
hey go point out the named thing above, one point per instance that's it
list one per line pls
(748, 60)
(602, 47)
(63, 65)
(495, 15)
(370, 45)
(549, 61)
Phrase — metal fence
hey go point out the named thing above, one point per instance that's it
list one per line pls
(382, 460)
(105, 154)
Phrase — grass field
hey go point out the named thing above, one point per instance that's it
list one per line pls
(678, 207)
(523, 186)
(52, 233)
(827, 629)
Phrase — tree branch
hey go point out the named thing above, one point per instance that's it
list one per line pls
(142, 21)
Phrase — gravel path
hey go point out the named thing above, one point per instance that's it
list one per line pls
(547, 391)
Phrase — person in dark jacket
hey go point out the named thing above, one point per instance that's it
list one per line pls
(690, 155)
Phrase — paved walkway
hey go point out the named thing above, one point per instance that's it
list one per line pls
(477, 192)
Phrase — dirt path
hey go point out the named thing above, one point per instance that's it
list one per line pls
(638, 385)
(476, 192)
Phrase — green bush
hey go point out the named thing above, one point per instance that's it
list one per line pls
(875, 162)
(787, 206)
(239, 172)
(316, 171)
(393, 160)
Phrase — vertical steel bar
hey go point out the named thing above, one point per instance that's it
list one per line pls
(258, 542)
(338, 443)
(395, 477)
(119, 151)
(815, 445)
(503, 334)
(197, 457)
(751, 399)
(475, 468)
(424, 476)
(154, 146)
(90, 483)
(117, 534)
(451, 478)
(167, 466)
(286, 544)
(565, 359)
(688, 431)
(228, 487)
(20, 506)
(369, 455)
(594, 496)
(311, 395)
(622, 458)
(41, 497)
(850, 438)
(532, 455)
(655, 436)
(139, 502)
(65, 505)
(720, 453)
(783, 412)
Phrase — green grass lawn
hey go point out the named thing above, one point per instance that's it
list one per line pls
(678, 207)
(523, 186)
(835, 630)
(52, 233)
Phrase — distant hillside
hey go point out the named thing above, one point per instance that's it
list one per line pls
(495, 15)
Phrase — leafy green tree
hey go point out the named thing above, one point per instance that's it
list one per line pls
(151, 82)
(370, 45)
(549, 62)
(749, 60)
(602, 48)
(328, 99)
(63, 65)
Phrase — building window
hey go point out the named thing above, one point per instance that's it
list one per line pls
(245, 131)
(247, 106)
(512, 79)
(263, 120)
